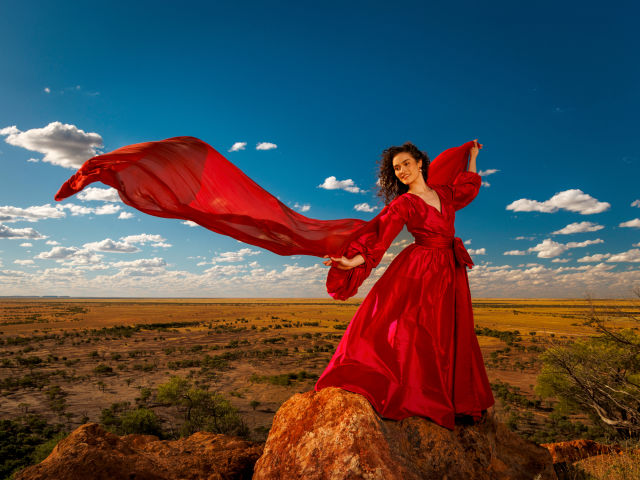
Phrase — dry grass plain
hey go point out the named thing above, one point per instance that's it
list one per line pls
(248, 336)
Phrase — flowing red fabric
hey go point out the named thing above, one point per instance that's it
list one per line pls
(185, 178)
(411, 347)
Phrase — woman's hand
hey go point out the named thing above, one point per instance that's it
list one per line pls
(475, 148)
(344, 263)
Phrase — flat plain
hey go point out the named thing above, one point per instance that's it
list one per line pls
(255, 352)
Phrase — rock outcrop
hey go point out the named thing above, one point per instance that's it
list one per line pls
(91, 453)
(335, 434)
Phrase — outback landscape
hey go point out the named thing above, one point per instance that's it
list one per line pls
(144, 365)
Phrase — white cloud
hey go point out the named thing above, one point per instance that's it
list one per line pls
(99, 194)
(57, 253)
(190, 223)
(64, 145)
(574, 200)
(266, 146)
(125, 215)
(598, 257)
(364, 207)
(635, 203)
(489, 171)
(578, 227)
(26, 244)
(108, 245)
(525, 238)
(141, 263)
(632, 255)
(143, 238)
(52, 242)
(237, 256)
(20, 233)
(107, 209)
(238, 146)
(467, 242)
(635, 223)
(24, 262)
(484, 184)
(549, 248)
(47, 90)
(332, 183)
(30, 214)
(515, 252)
(32, 160)
(560, 260)
(477, 251)
(161, 245)
(303, 208)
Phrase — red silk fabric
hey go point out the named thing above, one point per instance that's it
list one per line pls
(185, 178)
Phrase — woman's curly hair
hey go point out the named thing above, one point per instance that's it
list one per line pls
(390, 185)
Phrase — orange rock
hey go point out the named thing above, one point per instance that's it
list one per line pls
(335, 434)
(91, 453)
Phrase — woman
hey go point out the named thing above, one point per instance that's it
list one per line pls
(411, 348)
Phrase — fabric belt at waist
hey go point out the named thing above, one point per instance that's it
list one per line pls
(459, 250)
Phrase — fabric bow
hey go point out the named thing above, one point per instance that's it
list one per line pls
(461, 253)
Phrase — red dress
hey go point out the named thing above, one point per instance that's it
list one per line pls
(411, 349)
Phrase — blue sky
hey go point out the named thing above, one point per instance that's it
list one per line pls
(551, 90)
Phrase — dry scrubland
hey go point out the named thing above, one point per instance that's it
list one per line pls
(255, 352)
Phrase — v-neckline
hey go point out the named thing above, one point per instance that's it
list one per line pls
(439, 212)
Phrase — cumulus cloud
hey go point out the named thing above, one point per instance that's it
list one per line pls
(477, 251)
(64, 145)
(238, 146)
(632, 255)
(332, 183)
(30, 214)
(266, 146)
(99, 194)
(574, 200)
(108, 245)
(125, 215)
(26, 244)
(303, 208)
(635, 203)
(52, 242)
(20, 233)
(549, 248)
(489, 171)
(57, 253)
(143, 238)
(635, 223)
(24, 262)
(515, 252)
(237, 256)
(484, 184)
(578, 227)
(141, 263)
(190, 223)
(364, 207)
(36, 213)
(598, 257)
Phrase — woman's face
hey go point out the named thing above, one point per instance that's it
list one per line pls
(406, 168)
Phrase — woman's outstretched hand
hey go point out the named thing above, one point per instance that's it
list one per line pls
(344, 263)
(475, 148)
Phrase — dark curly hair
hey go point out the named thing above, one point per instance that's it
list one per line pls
(390, 185)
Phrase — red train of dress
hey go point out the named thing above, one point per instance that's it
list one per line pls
(411, 347)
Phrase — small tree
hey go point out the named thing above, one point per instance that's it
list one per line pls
(599, 375)
(203, 410)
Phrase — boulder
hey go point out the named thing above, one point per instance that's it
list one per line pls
(335, 434)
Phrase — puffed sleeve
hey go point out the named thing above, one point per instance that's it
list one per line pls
(371, 241)
(465, 187)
